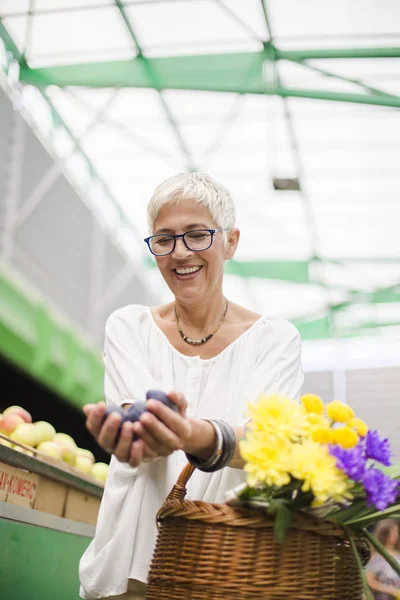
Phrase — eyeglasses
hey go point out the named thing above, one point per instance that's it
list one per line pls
(197, 240)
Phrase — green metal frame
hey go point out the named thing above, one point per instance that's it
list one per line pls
(213, 73)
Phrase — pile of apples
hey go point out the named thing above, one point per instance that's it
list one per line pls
(16, 424)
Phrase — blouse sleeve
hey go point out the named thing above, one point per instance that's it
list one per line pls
(127, 375)
(279, 369)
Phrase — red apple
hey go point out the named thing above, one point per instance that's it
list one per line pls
(10, 422)
(19, 411)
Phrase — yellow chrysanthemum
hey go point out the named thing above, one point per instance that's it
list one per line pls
(268, 459)
(279, 416)
(317, 420)
(345, 437)
(337, 411)
(313, 404)
(317, 469)
(359, 425)
(322, 434)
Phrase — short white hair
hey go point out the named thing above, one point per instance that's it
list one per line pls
(200, 188)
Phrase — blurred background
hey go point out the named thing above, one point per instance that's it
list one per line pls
(294, 106)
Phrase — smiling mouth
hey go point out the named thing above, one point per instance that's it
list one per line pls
(182, 271)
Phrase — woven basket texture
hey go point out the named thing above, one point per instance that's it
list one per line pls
(216, 552)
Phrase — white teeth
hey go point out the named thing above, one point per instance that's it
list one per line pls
(187, 270)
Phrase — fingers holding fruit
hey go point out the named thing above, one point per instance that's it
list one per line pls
(123, 446)
(94, 417)
(162, 430)
(159, 425)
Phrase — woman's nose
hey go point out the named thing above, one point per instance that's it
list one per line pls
(181, 250)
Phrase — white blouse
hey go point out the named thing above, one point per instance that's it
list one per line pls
(138, 356)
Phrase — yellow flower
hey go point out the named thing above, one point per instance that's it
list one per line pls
(322, 434)
(279, 416)
(268, 459)
(345, 437)
(313, 404)
(359, 426)
(317, 469)
(337, 411)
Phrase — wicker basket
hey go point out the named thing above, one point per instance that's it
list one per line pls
(216, 552)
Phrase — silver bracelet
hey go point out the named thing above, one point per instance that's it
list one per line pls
(224, 450)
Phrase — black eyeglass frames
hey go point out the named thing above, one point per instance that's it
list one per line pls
(197, 240)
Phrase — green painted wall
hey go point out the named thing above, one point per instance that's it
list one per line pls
(38, 563)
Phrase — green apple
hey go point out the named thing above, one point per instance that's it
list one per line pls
(65, 439)
(45, 431)
(99, 471)
(18, 410)
(50, 449)
(25, 433)
(84, 464)
(85, 453)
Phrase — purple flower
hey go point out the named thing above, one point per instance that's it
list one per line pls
(352, 461)
(377, 448)
(381, 490)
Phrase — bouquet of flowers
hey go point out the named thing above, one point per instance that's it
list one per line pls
(319, 459)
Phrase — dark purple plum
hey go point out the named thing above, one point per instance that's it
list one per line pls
(115, 409)
(162, 397)
(119, 411)
(135, 411)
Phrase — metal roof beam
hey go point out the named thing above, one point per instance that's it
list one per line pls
(358, 82)
(213, 73)
(151, 75)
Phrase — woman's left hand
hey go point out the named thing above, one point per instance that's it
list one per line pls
(161, 429)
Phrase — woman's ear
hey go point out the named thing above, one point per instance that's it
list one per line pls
(231, 244)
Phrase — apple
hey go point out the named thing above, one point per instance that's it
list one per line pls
(84, 464)
(86, 454)
(45, 431)
(68, 454)
(25, 433)
(10, 422)
(18, 410)
(99, 471)
(65, 439)
(50, 449)
(68, 447)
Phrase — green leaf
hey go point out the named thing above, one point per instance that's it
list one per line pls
(382, 551)
(283, 521)
(342, 515)
(366, 588)
(392, 512)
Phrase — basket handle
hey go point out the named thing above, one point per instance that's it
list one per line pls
(178, 492)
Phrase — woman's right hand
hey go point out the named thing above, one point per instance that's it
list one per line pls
(126, 450)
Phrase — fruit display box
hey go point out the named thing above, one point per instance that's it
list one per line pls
(34, 480)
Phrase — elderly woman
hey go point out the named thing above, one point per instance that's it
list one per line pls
(209, 354)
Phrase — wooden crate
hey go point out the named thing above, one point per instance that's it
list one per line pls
(18, 486)
(81, 507)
